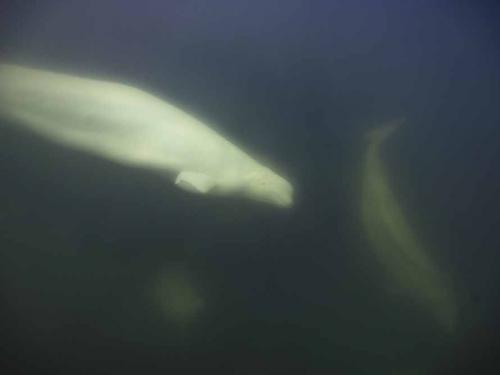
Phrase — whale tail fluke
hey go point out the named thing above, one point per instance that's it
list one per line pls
(381, 133)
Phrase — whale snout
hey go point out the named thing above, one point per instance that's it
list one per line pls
(284, 197)
(284, 202)
(266, 186)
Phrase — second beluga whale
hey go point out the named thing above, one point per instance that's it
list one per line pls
(396, 247)
(130, 126)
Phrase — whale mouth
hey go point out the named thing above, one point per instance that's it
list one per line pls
(284, 201)
(284, 197)
(266, 186)
(281, 199)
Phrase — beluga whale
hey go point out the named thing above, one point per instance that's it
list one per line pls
(409, 267)
(130, 126)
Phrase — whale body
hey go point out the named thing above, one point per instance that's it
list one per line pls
(130, 126)
(393, 241)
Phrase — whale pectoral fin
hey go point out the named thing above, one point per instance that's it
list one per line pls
(194, 182)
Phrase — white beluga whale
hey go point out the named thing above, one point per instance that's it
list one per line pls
(401, 255)
(130, 126)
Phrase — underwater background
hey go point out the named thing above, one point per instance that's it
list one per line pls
(108, 269)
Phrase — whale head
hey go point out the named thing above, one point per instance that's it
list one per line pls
(266, 186)
(260, 185)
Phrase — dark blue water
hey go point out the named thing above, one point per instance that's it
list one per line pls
(84, 241)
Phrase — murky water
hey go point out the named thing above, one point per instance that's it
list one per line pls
(385, 264)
